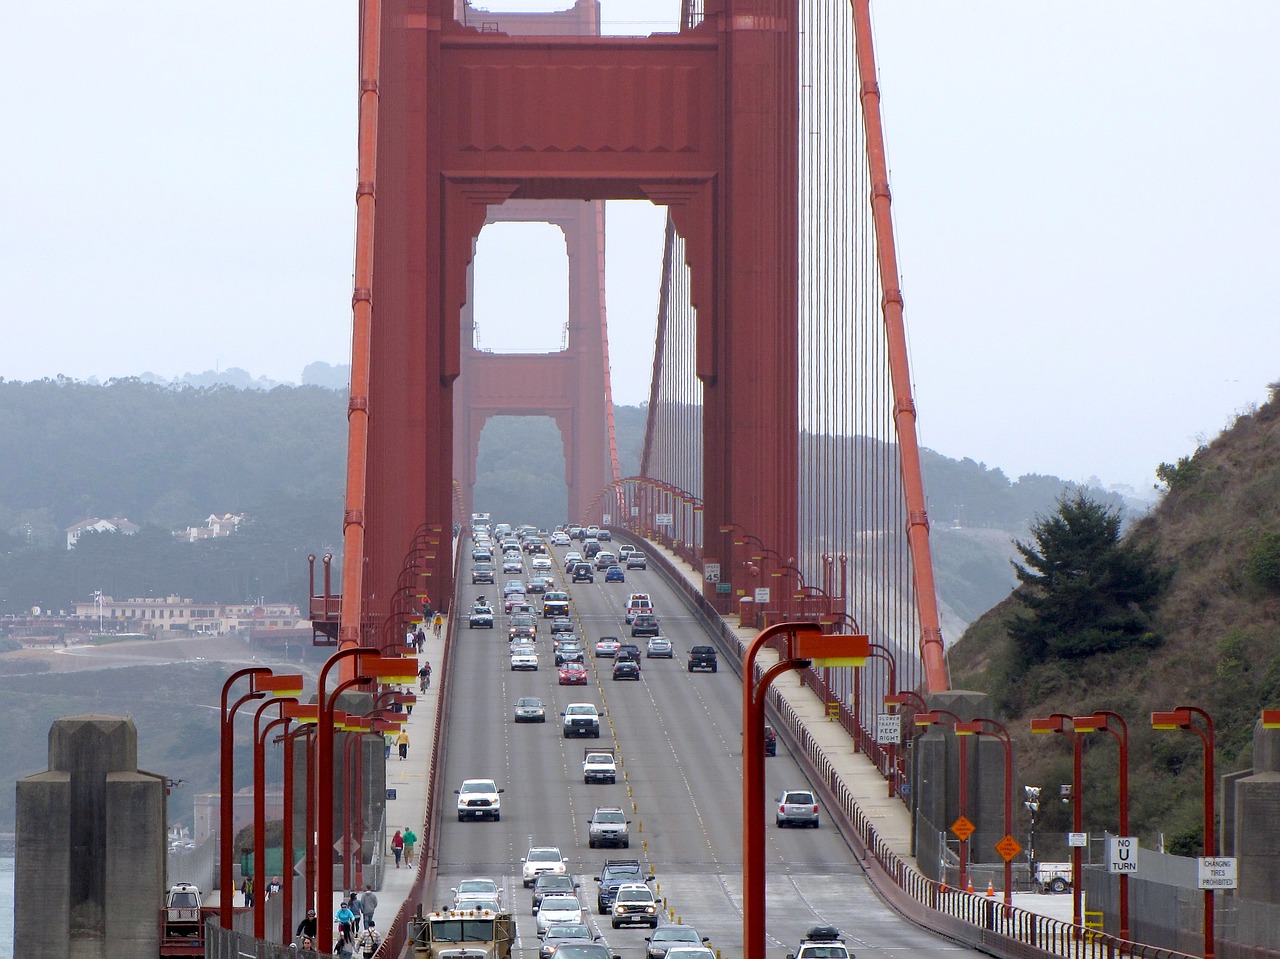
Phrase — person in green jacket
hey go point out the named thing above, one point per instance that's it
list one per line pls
(410, 837)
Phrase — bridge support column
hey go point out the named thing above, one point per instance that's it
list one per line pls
(90, 870)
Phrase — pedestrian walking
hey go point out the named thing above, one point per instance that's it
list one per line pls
(397, 846)
(402, 741)
(246, 890)
(388, 740)
(368, 903)
(422, 638)
(410, 838)
(274, 886)
(357, 914)
(369, 940)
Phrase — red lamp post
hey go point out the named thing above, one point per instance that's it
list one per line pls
(806, 643)
(884, 654)
(368, 666)
(1106, 721)
(1184, 718)
(305, 715)
(901, 698)
(978, 727)
(1064, 724)
(260, 684)
(260, 807)
(934, 717)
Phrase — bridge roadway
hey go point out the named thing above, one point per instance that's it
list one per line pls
(678, 739)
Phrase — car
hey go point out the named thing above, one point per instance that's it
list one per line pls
(629, 651)
(561, 624)
(581, 719)
(512, 600)
(797, 807)
(512, 566)
(479, 799)
(770, 741)
(604, 535)
(481, 617)
(615, 574)
(519, 608)
(609, 826)
(583, 573)
(590, 546)
(481, 554)
(539, 584)
(557, 909)
(670, 935)
(562, 934)
(607, 646)
(539, 861)
(560, 538)
(576, 532)
(690, 952)
(514, 586)
(523, 626)
(659, 647)
(573, 674)
(482, 573)
(584, 950)
(634, 903)
(615, 874)
(626, 669)
(471, 889)
(637, 560)
(822, 942)
(702, 657)
(571, 559)
(637, 603)
(570, 653)
(550, 883)
(530, 709)
(605, 559)
(644, 624)
(625, 550)
(524, 656)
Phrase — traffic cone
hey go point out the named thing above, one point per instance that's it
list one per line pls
(991, 889)
(970, 889)
(943, 885)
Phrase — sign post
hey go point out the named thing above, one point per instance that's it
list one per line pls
(762, 594)
(888, 729)
(711, 572)
(1217, 872)
(1122, 854)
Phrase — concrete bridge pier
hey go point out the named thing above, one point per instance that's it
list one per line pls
(90, 868)
(1251, 819)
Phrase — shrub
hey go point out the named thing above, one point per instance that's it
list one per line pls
(1264, 561)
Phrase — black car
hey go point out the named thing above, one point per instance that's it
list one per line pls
(702, 657)
(547, 884)
(482, 573)
(626, 669)
(583, 573)
(644, 624)
(770, 741)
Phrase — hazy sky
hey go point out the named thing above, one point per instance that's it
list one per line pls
(1086, 202)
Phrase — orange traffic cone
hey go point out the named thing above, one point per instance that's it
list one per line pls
(970, 884)
(991, 889)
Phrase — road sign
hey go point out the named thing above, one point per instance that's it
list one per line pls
(1008, 847)
(1077, 839)
(662, 519)
(635, 511)
(762, 594)
(724, 587)
(963, 828)
(607, 519)
(1217, 872)
(1122, 854)
(711, 572)
(888, 729)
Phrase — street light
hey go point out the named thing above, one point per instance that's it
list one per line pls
(260, 805)
(367, 666)
(978, 727)
(226, 783)
(1104, 720)
(1183, 718)
(806, 644)
(1065, 725)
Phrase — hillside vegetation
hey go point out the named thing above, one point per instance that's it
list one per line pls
(1209, 638)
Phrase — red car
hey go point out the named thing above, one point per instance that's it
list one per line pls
(573, 674)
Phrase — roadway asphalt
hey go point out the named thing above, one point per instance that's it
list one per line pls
(677, 735)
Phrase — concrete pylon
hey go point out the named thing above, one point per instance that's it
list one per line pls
(1250, 822)
(90, 869)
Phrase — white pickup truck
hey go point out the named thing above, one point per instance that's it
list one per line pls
(1052, 876)
(599, 766)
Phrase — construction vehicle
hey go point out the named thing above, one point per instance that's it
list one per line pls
(462, 934)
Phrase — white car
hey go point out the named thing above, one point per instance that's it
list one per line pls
(556, 909)
(524, 656)
(560, 538)
(479, 798)
(541, 564)
(473, 889)
(541, 860)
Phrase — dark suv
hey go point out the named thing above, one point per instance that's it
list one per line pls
(702, 657)
(613, 875)
(626, 669)
(583, 573)
(770, 741)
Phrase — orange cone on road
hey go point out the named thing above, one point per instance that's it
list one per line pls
(991, 889)
(970, 884)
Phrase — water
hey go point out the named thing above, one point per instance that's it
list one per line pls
(6, 907)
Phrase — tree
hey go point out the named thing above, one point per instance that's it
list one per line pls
(1084, 590)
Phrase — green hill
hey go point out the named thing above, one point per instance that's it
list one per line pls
(1216, 535)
